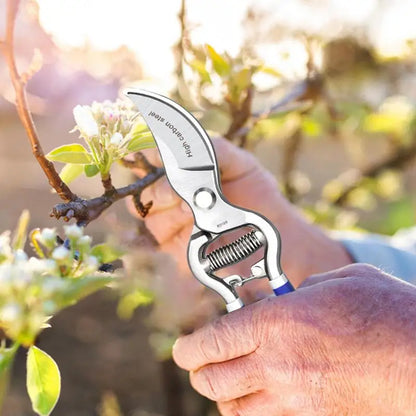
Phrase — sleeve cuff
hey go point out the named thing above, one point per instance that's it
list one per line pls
(375, 250)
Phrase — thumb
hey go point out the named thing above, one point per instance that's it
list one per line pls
(228, 337)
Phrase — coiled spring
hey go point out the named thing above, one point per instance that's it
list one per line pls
(234, 252)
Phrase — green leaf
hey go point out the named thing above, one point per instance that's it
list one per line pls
(105, 253)
(269, 71)
(199, 66)
(131, 301)
(91, 170)
(221, 66)
(81, 287)
(6, 357)
(70, 172)
(139, 127)
(70, 153)
(242, 79)
(20, 234)
(43, 381)
(141, 141)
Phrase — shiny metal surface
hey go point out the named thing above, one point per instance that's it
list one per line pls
(191, 168)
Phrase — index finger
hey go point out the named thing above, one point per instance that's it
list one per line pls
(233, 161)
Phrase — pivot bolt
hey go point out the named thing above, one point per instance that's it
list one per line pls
(204, 198)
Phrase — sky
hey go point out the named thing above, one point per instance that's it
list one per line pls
(150, 28)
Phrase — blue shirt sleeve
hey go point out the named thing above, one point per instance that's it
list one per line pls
(395, 255)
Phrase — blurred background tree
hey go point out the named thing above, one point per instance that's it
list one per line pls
(322, 92)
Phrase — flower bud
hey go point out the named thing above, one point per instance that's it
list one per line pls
(85, 121)
(91, 264)
(61, 253)
(116, 139)
(5, 249)
(85, 240)
(20, 256)
(48, 235)
(41, 266)
(73, 231)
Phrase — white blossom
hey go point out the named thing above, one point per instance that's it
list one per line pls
(85, 240)
(6, 275)
(5, 248)
(60, 253)
(48, 235)
(10, 312)
(73, 231)
(41, 266)
(85, 121)
(116, 138)
(91, 264)
(20, 256)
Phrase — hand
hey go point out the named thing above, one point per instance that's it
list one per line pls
(305, 249)
(343, 344)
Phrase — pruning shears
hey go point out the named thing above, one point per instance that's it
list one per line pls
(192, 171)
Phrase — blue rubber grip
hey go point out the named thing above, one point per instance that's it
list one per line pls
(286, 288)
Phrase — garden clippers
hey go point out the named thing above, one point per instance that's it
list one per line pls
(192, 171)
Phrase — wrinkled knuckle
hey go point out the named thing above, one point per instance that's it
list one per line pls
(362, 269)
(231, 408)
(209, 385)
(214, 347)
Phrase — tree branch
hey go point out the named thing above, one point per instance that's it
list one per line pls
(7, 49)
(239, 117)
(87, 210)
(139, 162)
(83, 210)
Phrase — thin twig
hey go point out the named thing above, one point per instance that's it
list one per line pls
(140, 161)
(240, 114)
(300, 98)
(107, 184)
(290, 153)
(403, 156)
(7, 49)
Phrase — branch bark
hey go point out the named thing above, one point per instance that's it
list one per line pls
(83, 210)
(7, 49)
(239, 117)
(87, 210)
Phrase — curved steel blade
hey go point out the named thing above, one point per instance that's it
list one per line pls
(181, 140)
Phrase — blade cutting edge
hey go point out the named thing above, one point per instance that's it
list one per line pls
(178, 135)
